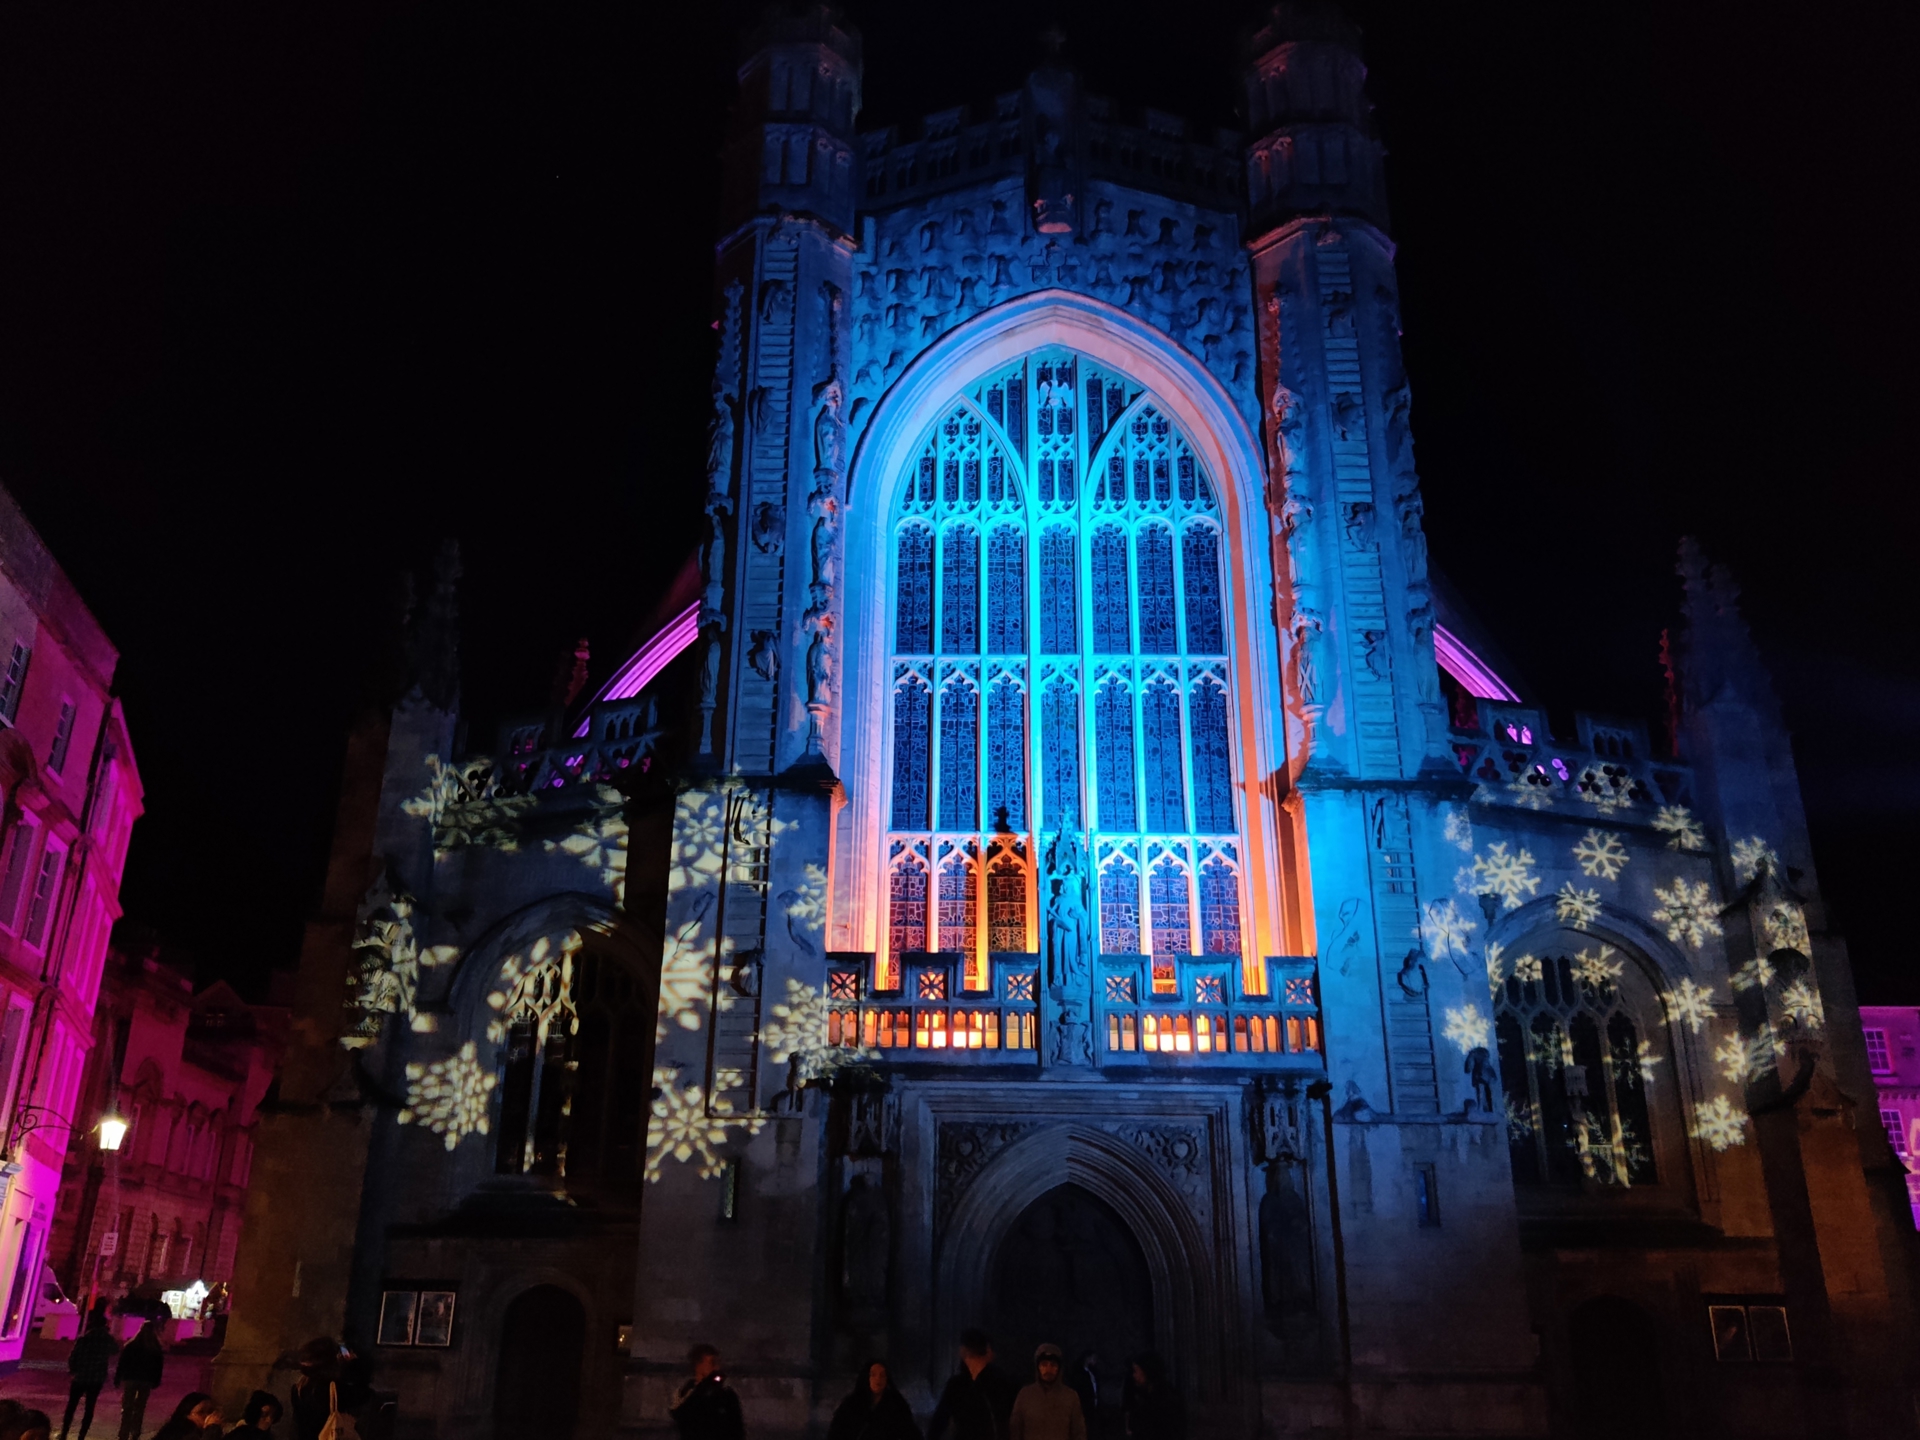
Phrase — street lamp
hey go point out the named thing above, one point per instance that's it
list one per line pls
(113, 1129)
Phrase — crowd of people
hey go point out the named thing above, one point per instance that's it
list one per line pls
(980, 1402)
(331, 1380)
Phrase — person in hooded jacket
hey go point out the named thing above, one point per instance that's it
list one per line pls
(138, 1376)
(1151, 1403)
(1048, 1409)
(873, 1409)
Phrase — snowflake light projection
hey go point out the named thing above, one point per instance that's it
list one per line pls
(1800, 1003)
(1521, 1123)
(1678, 821)
(1575, 907)
(449, 1096)
(699, 821)
(1747, 1057)
(686, 1123)
(462, 805)
(686, 974)
(388, 979)
(1599, 852)
(1786, 927)
(807, 901)
(1749, 854)
(536, 986)
(1718, 1124)
(1468, 1028)
(1527, 968)
(1510, 876)
(1446, 931)
(1689, 1004)
(1608, 1151)
(600, 844)
(1687, 910)
(1496, 969)
(799, 1031)
(1756, 974)
(1595, 969)
(1529, 796)
(1458, 831)
(1639, 1062)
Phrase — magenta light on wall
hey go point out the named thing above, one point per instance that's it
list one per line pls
(650, 659)
(1476, 677)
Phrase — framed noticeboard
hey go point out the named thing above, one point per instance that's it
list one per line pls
(398, 1309)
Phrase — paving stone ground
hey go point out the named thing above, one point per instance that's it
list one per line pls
(41, 1383)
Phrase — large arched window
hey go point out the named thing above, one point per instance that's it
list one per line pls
(1583, 1059)
(1059, 652)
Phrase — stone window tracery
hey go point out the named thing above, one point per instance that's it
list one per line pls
(1056, 489)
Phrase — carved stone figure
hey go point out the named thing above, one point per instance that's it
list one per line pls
(1479, 1069)
(759, 403)
(1289, 420)
(720, 448)
(1359, 525)
(1072, 1036)
(773, 294)
(1069, 940)
(828, 437)
(713, 567)
(762, 657)
(769, 527)
(1277, 1128)
(1373, 653)
(1306, 639)
(1413, 535)
(819, 679)
(822, 556)
(1412, 978)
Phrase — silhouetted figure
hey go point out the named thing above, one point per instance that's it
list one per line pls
(874, 1410)
(705, 1407)
(977, 1402)
(138, 1376)
(1151, 1403)
(87, 1369)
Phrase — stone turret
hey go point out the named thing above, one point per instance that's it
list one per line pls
(792, 150)
(1314, 151)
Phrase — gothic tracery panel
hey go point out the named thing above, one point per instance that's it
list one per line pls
(1056, 514)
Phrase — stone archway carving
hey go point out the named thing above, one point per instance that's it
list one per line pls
(1155, 1174)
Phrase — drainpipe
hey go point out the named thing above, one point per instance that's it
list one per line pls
(1323, 1091)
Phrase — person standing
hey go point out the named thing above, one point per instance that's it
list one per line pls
(1150, 1402)
(1081, 1379)
(138, 1376)
(874, 1410)
(705, 1407)
(977, 1402)
(1047, 1409)
(87, 1368)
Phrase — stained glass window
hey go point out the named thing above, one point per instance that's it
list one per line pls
(1119, 907)
(1219, 908)
(1172, 908)
(1112, 594)
(1166, 786)
(1006, 757)
(1050, 492)
(1156, 591)
(912, 704)
(1006, 591)
(1113, 733)
(1212, 777)
(914, 600)
(1200, 560)
(959, 756)
(960, 592)
(907, 906)
(959, 903)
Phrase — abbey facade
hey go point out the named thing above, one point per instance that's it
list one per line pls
(1073, 867)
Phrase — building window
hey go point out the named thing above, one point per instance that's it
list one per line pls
(1879, 1059)
(1055, 489)
(14, 681)
(1743, 1333)
(1896, 1131)
(13, 877)
(45, 884)
(1576, 1071)
(62, 736)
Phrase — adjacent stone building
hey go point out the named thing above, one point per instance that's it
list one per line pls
(1085, 874)
(188, 1071)
(69, 794)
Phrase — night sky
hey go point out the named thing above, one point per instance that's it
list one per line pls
(290, 293)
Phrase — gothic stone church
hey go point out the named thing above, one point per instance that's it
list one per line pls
(1071, 865)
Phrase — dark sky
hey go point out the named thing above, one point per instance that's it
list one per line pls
(288, 293)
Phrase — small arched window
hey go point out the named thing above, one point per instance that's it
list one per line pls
(573, 1088)
(1581, 1048)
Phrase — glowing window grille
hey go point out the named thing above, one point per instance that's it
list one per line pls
(1020, 985)
(1019, 1029)
(1299, 991)
(1166, 978)
(930, 1030)
(1120, 988)
(1257, 1034)
(843, 984)
(1121, 1033)
(931, 985)
(1207, 990)
(1058, 624)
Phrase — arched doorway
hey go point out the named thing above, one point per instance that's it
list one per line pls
(542, 1341)
(1070, 1271)
(1616, 1371)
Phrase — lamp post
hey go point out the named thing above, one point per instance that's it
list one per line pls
(112, 1130)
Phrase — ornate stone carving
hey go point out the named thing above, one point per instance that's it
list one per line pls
(1178, 1151)
(764, 656)
(1278, 1121)
(1306, 669)
(962, 1152)
(769, 527)
(1069, 938)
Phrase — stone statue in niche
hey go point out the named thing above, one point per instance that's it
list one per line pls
(821, 551)
(759, 406)
(819, 678)
(762, 656)
(870, 1122)
(866, 1241)
(1286, 1243)
(1479, 1071)
(1413, 536)
(1306, 639)
(1349, 416)
(1069, 940)
(829, 444)
(1373, 653)
(1278, 1129)
(1359, 525)
(1412, 978)
(1420, 620)
(769, 527)
(773, 295)
(720, 446)
(713, 566)
(1072, 1035)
